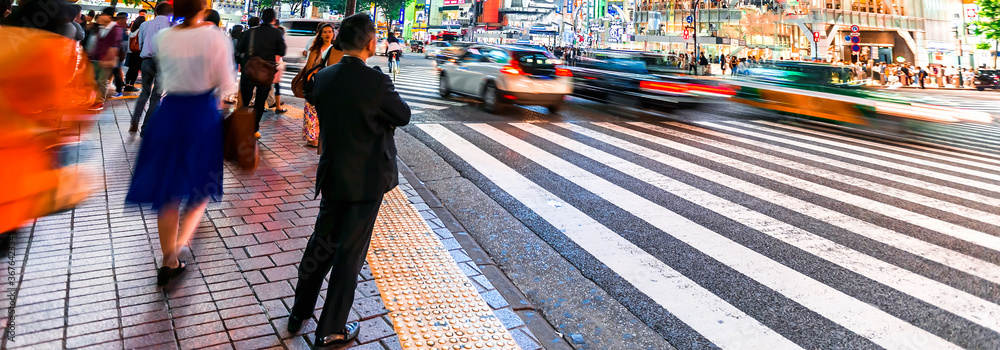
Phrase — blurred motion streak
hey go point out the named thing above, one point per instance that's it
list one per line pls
(45, 90)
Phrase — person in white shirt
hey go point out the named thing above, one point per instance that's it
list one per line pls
(180, 158)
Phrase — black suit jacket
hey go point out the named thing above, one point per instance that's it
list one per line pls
(358, 110)
(268, 42)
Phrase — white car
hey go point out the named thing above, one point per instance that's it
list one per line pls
(299, 34)
(503, 75)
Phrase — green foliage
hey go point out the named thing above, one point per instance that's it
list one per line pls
(983, 46)
(989, 14)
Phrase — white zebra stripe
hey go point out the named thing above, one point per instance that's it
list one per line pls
(855, 315)
(717, 320)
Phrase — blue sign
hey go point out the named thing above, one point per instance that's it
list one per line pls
(569, 6)
(689, 19)
(855, 39)
(847, 38)
(855, 48)
(305, 3)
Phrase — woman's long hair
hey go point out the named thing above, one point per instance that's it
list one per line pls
(318, 41)
(136, 23)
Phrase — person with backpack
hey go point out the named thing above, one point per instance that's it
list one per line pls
(263, 42)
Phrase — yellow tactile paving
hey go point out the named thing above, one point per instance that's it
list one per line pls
(433, 305)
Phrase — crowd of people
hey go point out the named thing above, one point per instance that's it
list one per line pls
(188, 67)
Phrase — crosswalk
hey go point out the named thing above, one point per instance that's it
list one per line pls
(756, 234)
(417, 86)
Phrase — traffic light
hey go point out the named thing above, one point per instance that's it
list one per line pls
(816, 36)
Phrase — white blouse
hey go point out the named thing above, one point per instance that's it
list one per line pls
(195, 60)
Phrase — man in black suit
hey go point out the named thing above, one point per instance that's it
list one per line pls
(358, 110)
(268, 42)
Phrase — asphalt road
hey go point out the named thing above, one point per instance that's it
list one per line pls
(722, 226)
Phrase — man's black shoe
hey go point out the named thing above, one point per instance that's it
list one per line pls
(294, 324)
(339, 338)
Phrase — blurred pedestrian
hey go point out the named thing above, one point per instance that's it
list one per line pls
(121, 19)
(180, 158)
(213, 17)
(723, 62)
(134, 59)
(151, 89)
(320, 46)
(922, 76)
(274, 97)
(359, 110)
(103, 47)
(74, 28)
(37, 119)
(267, 43)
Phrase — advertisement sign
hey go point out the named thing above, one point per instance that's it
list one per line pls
(453, 2)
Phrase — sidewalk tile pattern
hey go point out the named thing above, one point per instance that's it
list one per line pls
(86, 278)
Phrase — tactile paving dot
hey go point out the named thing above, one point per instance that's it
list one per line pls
(431, 302)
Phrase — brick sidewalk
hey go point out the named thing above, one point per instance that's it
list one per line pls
(88, 277)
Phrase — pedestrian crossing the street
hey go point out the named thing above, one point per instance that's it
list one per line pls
(755, 234)
(417, 86)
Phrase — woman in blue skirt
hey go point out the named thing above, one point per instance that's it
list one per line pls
(180, 158)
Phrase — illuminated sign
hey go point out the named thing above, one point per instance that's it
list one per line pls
(453, 2)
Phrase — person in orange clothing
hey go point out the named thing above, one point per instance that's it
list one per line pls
(34, 126)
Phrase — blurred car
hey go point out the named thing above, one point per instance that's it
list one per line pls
(380, 47)
(828, 93)
(624, 78)
(655, 62)
(434, 48)
(502, 75)
(987, 79)
(299, 34)
(416, 46)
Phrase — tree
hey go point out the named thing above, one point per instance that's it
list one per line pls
(989, 24)
(390, 8)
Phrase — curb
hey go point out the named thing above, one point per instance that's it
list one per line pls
(518, 302)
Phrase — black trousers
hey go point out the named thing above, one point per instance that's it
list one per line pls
(339, 243)
(247, 87)
(134, 65)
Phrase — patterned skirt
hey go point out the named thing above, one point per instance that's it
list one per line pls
(310, 125)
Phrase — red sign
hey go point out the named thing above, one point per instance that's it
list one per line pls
(816, 36)
(687, 34)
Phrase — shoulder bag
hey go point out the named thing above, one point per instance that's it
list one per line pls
(308, 80)
(261, 72)
(239, 144)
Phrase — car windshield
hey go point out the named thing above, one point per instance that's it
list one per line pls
(460, 44)
(300, 28)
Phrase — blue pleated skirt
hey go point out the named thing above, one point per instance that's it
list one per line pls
(180, 157)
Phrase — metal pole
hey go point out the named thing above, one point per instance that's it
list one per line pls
(562, 20)
(697, 58)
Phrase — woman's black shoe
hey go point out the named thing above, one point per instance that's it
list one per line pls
(294, 324)
(166, 274)
(339, 338)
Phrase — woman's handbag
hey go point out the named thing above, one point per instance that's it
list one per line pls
(261, 72)
(280, 72)
(239, 144)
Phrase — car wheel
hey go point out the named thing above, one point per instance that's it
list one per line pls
(981, 88)
(491, 99)
(443, 87)
(553, 109)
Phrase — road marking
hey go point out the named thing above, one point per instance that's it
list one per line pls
(904, 242)
(717, 320)
(945, 297)
(991, 176)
